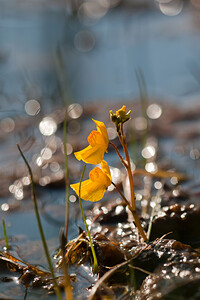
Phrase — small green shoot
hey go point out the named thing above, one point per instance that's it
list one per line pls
(5, 234)
(95, 268)
(132, 277)
(66, 179)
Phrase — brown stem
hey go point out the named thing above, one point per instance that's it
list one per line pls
(123, 197)
(122, 138)
(118, 153)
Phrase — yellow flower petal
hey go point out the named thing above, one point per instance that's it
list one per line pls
(120, 117)
(121, 110)
(93, 189)
(90, 191)
(96, 138)
(105, 168)
(91, 155)
(102, 129)
(98, 144)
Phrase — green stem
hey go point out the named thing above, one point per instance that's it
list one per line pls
(5, 234)
(95, 268)
(66, 179)
(33, 194)
(132, 277)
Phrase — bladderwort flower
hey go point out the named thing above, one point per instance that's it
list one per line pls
(93, 189)
(98, 144)
(120, 117)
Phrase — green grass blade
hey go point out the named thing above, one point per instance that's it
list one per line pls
(95, 268)
(57, 290)
(5, 234)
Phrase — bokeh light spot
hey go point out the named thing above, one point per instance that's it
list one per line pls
(47, 126)
(148, 152)
(171, 8)
(140, 123)
(154, 111)
(75, 110)
(5, 207)
(112, 133)
(32, 107)
(46, 153)
(151, 167)
(72, 198)
(7, 125)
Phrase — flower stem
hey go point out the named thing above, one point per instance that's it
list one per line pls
(123, 197)
(95, 268)
(122, 160)
(122, 138)
(57, 290)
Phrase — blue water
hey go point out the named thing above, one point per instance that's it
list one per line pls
(165, 49)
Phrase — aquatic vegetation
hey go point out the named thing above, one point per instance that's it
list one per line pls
(93, 189)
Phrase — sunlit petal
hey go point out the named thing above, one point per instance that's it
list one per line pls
(91, 155)
(98, 144)
(102, 129)
(93, 189)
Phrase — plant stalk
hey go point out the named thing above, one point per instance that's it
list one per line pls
(122, 138)
(118, 153)
(66, 179)
(33, 194)
(5, 234)
(96, 267)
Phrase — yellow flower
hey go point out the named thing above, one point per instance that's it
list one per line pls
(121, 110)
(93, 189)
(98, 144)
(121, 116)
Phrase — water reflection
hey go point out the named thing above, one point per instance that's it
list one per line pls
(140, 123)
(47, 126)
(7, 125)
(5, 206)
(151, 167)
(75, 110)
(32, 107)
(158, 185)
(170, 7)
(174, 180)
(148, 152)
(46, 153)
(154, 111)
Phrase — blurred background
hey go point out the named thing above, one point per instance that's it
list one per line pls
(92, 50)
(90, 56)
